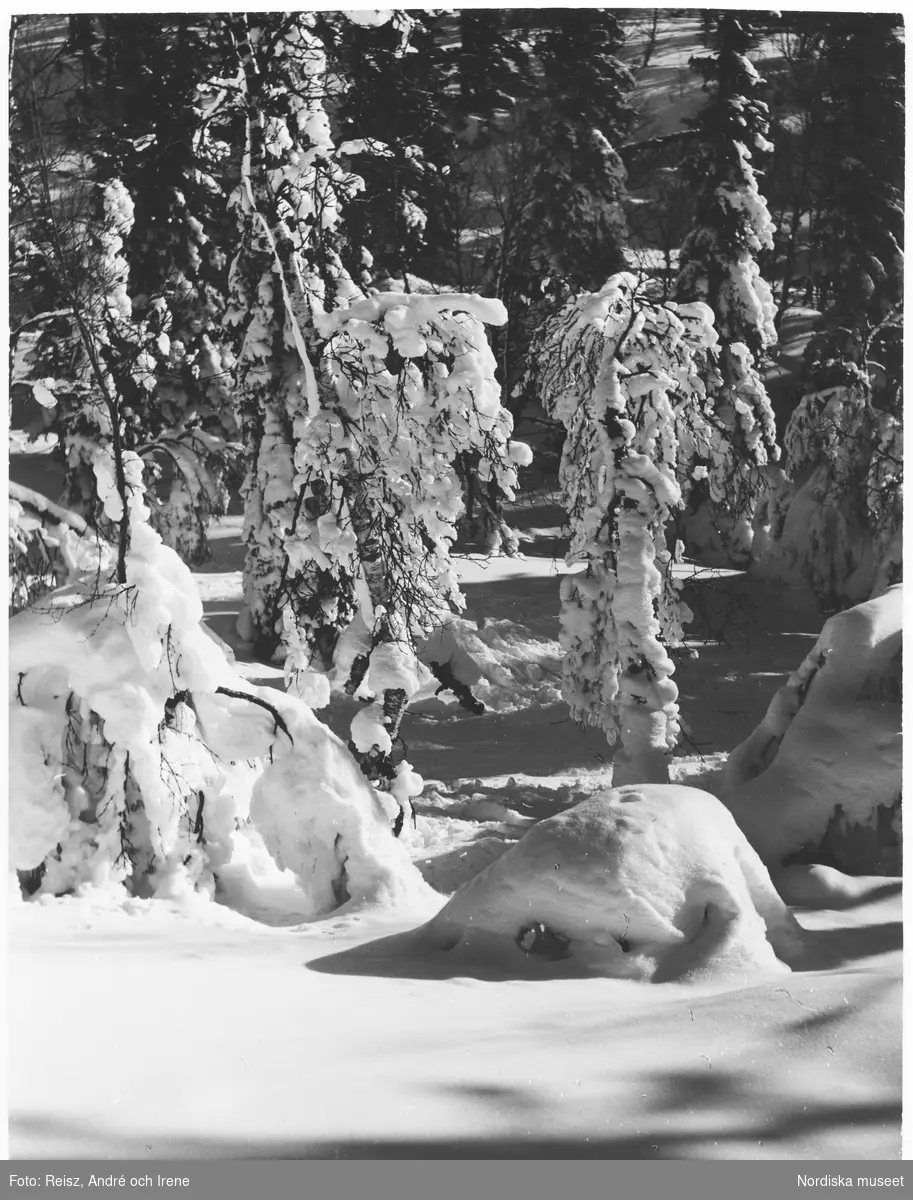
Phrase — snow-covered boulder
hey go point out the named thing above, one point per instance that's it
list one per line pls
(648, 881)
(820, 778)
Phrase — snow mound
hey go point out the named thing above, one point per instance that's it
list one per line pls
(820, 778)
(645, 882)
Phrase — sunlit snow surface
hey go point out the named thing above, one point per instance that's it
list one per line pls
(143, 1029)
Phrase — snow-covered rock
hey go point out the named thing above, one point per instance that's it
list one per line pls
(650, 882)
(820, 778)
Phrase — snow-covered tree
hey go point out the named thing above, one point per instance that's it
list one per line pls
(160, 77)
(134, 118)
(719, 265)
(833, 517)
(558, 181)
(356, 412)
(285, 270)
(447, 83)
(113, 783)
(415, 388)
(624, 375)
(108, 372)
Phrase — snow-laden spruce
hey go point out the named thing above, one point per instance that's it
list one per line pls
(718, 265)
(110, 355)
(286, 270)
(623, 375)
(833, 518)
(138, 754)
(112, 359)
(415, 390)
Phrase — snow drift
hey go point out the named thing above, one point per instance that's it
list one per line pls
(650, 882)
(820, 778)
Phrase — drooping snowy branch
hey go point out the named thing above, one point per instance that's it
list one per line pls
(623, 376)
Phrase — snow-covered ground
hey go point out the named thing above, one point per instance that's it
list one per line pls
(151, 1029)
(143, 1032)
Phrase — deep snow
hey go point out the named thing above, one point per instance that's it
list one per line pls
(149, 1029)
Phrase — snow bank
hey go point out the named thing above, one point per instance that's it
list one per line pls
(821, 775)
(651, 882)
